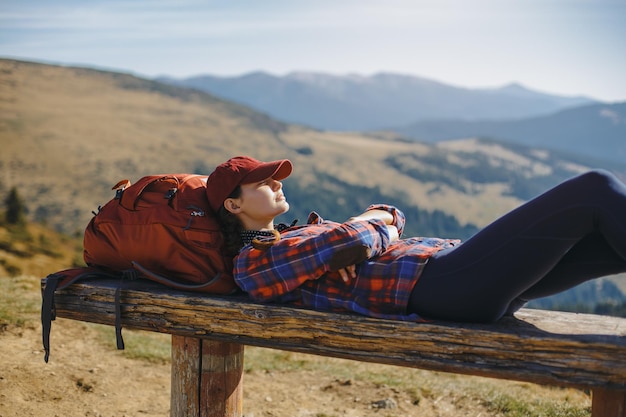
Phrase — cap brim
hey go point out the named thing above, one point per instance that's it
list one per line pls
(278, 170)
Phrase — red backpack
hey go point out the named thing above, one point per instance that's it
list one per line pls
(160, 228)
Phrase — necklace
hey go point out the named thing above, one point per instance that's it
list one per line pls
(261, 237)
(247, 236)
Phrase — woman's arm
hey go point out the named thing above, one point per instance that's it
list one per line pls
(383, 215)
(307, 253)
(388, 214)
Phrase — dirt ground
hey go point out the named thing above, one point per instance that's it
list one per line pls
(85, 377)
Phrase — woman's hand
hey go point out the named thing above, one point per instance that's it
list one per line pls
(393, 233)
(347, 273)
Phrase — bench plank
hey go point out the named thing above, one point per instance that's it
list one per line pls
(552, 348)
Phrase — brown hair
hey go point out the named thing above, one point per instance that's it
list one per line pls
(231, 226)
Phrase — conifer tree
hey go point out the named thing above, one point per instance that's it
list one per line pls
(15, 209)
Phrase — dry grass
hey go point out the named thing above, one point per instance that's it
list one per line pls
(36, 250)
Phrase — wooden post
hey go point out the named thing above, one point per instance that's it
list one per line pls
(206, 378)
(608, 403)
(221, 385)
(186, 365)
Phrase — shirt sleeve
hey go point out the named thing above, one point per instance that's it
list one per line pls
(305, 253)
(399, 219)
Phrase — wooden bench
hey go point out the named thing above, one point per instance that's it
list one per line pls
(209, 334)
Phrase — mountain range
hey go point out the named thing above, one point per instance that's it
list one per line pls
(381, 101)
(426, 110)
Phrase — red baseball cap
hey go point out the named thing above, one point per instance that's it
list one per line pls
(242, 170)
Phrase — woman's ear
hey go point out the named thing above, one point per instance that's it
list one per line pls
(231, 205)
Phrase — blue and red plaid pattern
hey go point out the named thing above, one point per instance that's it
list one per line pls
(296, 269)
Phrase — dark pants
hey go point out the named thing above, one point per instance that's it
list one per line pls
(568, 235)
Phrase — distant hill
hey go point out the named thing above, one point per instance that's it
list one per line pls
(596, 130)
(385, 100)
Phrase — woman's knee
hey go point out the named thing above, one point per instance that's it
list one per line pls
(597, 178)
(598, 182)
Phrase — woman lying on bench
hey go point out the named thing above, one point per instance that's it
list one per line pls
(570, 234)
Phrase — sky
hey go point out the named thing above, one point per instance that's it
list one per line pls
(564, 47)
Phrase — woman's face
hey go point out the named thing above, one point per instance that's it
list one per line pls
(259, 203)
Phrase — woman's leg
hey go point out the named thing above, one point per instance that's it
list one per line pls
(507, 261)
(590, 258)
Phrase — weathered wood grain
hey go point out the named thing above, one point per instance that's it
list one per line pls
(206, 378)
(186, 374)
(551, 348)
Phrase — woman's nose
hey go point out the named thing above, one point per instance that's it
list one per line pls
(276, 185)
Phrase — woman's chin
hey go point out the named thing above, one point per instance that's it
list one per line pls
(285, 207)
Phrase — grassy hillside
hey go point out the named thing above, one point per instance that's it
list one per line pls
(69, 134)
(36, 250)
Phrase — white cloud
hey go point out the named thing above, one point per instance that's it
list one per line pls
(569, 46)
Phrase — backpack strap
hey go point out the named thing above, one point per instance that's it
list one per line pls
(176, 284)
(128, 275)
(48, 311)
(63, 279)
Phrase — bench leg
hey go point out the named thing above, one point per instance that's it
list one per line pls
(206, 378)
(608, 403)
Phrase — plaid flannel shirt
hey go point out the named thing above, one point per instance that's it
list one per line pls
(301, 268)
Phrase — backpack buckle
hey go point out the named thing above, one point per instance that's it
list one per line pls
(170, 193)
(120, 187)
